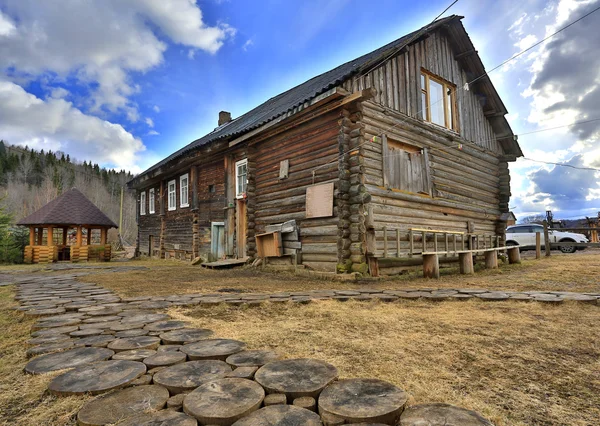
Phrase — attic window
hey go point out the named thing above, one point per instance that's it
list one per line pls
(438, 99)
(405, 167)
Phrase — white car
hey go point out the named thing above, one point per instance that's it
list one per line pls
(524, 236)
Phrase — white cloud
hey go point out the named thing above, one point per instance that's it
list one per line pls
(156, 109)
(59, 93)
(153, 133)
(527, 41)
(149, 122)
(247, 45)
(101, 42)
(55, 124)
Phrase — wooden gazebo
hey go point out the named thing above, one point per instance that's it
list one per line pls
(56, 231)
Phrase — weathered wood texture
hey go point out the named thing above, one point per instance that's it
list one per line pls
(311, 146)
(397, 82)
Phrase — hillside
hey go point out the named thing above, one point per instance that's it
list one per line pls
(29, 179)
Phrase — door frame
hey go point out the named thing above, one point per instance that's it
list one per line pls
(214, 243)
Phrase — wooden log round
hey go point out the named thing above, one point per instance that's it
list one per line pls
(185, 335)
(67, 359)
(53, 338)
(243, 373)
(189, 375)
(96, 378)
(130, 343)
(117, 406)
(223, 401)
(134, 354)
(86, 332)
(275, 399)
(165, 325)
(252, 358)
(52, 347)
(56, 330)
(296, 377)
(213, 349)
(144, 318)
(131, 333)
(162, 418)
(100, 341)
(307, 402)
(280, 415)
(363, 400)
(441, 414)
(164, 359)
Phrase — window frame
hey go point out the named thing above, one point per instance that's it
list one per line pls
(151, 201)
(185, 176)
(143, 203)
(238, 194)
(427, 183)
(172, 207)
(449, 89)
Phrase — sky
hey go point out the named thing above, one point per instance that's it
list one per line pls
(124, 83)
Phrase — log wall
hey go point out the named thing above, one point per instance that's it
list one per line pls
(311, 146)
(398, 87)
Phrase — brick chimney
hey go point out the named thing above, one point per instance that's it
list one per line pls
(224, 117)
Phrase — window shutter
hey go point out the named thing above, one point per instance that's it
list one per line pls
(426, 173)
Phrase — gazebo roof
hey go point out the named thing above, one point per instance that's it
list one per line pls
(71, 208)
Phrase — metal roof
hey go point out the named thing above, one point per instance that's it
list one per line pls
(71, 208)
(287, 101)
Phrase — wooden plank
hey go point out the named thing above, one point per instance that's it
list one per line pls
(319, 200)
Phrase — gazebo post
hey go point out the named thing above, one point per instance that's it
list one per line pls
(40, 236)
(89, 236)
(103, 236)
(50, 239)
(32, 236)
(79, 235)
(65, 232)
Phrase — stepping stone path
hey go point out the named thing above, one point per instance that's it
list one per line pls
(216, 380)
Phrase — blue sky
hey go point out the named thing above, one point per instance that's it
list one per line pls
(126, 82)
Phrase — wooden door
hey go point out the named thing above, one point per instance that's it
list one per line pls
(241, 228)
(217, 241)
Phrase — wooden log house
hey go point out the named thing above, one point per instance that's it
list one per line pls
(408, 137)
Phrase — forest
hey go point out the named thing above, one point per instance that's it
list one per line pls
(29, 179)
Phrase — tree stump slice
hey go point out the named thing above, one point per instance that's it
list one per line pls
(130, 343)
(134, 355)
(253, 358)
(127, 326)
(145, 318)
(131, 333)
(306, 402)
(67, 359)
(440, 415)
(243, 373)
(100, 341)
(109, 409)
(296, 377)
(280, 415)
(160, 418)
(223, 401)
(493, 297)
(49, 348)
(96, 378)
(146, 379)
(275, 399)
(86, 332)
(44, 312)
(176, 402)
(189, 375)
(218, 349)
(53, 323)
(56, 330)
(164, 359)
(108, 318)
(363, 400)
(169, 348)
(165, 325)
(185, 335)
(53, 338)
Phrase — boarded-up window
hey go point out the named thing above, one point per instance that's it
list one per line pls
(405, 167)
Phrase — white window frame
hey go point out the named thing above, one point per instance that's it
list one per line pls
(449, 102)
(172, 203)
(238, 194)
(143, 203)
(151, 201)
(184, 195)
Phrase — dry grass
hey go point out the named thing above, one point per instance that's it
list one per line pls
(23, 398)
(517, 363)
(577, 272)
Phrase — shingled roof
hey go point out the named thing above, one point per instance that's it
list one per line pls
(71, 208)
(287, 101)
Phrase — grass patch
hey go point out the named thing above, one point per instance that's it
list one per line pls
(24, 399)
(576, 272)
(516, 363)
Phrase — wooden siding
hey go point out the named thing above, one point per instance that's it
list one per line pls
(311, 146)
(398, 86)
(466, 182)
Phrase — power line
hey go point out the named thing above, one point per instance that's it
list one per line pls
(562, 164)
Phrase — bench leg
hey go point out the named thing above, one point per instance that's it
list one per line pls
(491, 260)
(514, 255)
(431, 266)
(466, 263)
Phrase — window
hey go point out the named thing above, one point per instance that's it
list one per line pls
(211, 188)
(438, 98)
(151, 203)
(405, 167)
(172, 200)
(183, 191)
(241, 178)
(143, 203)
